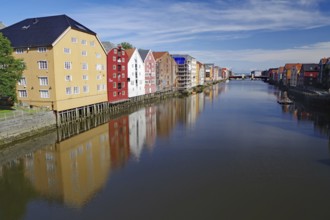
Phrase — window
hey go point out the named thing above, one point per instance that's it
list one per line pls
(42, 49)
(19, 51)
(123, 67)
(98, 55)
(123, 92)
(92, 43)
(74, 40)
(114, 85)
(76, 90)
(115, 51)
(114, 93)
(85, 77)
(99, 67)
(123, 59)
(85, 89)
(43, 80)
(99, 77)
(123, 83)
(68, 90)
(114, 75)
(98, 87)
(123, 75)
(85, 66)
(114, 67)
(67, 50)
(44, 94)
(114, 58)
(43, 64)
(123, 53)
(67, 65)
(83, 42)
(22, 93)
(84, 53)
(22, 81)
(68, 78)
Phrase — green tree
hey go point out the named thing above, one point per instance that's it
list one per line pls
(11, 69)
(126, 45)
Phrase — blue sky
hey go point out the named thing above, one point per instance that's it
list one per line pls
(243, 35)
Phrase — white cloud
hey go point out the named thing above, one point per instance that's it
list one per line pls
(245, 60)
(155, 24)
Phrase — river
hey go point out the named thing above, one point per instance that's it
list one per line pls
(231, 152)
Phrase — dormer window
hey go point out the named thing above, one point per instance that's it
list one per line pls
(19, 50)
(42, 49)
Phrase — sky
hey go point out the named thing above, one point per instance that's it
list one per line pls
(242, 35)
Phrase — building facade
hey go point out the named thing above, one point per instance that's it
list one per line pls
(117, 86)
(66, 63)
(166, 69)
(150, 70)
(209, 68)
(186, 71)
(136, 73)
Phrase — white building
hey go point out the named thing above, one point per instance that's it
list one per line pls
(137, 132)
(136, 73)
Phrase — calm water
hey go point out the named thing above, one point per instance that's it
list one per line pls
(230, 153)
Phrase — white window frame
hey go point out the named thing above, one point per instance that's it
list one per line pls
(84, 53)
(84, 42)
(44, 94)
(85, 77)
(74, 40)
(42, 49)
(84, 66)
(67, 65)
(99, 77)
(43, 64)
(67, 50)
(22, 81)
(22, 93)
(92, 43)
(43, 80)
(85, 89)
(19, 50)
(76, 90)
(68, 78)
(68, 90)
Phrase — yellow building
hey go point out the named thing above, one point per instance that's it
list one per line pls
(73, 170)
(66, 63)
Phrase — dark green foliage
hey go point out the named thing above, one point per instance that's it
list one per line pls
(126, 45)
(11, 69)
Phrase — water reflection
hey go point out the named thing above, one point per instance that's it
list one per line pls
(300, 112)
(74, 168)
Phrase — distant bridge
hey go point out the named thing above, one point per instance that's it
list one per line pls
(265, 78)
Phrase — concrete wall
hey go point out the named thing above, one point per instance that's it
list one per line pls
(25, 126)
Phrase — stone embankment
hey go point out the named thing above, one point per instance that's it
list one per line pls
(25, 126)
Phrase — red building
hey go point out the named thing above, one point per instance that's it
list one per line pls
(119, 141)
(117, 85)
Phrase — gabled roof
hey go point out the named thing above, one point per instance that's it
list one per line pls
(310, 67)
(288, 66)
(130, 52)
(42, 31)
(143, 53)
(108, 46)
(324, 60)
(158, 55)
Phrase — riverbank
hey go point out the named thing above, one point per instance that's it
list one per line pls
(30, 125)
